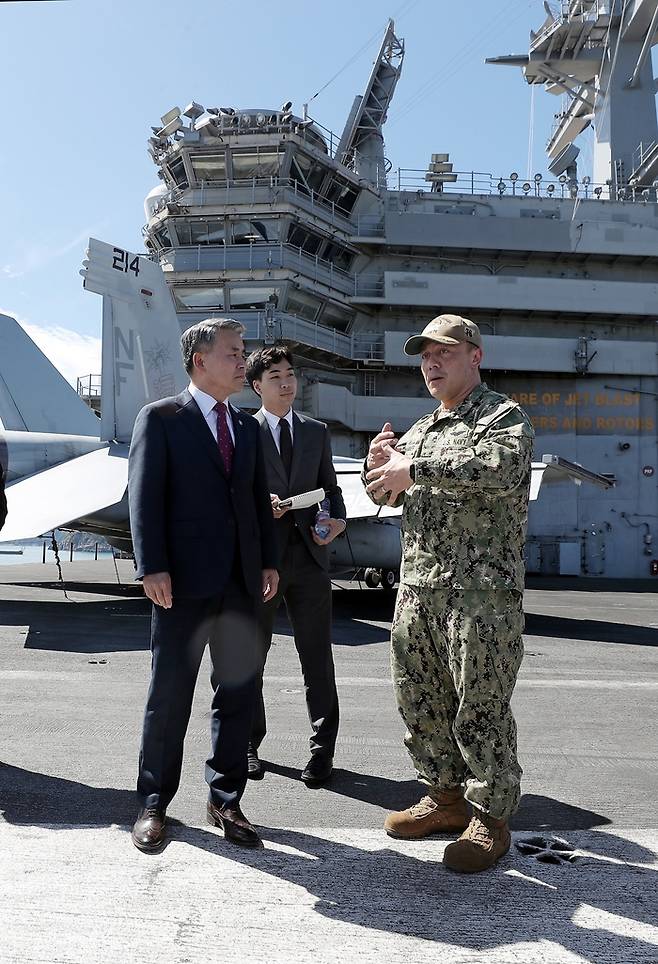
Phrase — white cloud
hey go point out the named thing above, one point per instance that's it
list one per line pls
(36, 255)
(70, 352)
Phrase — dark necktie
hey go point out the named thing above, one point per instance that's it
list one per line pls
(285, 445)
(224, 440)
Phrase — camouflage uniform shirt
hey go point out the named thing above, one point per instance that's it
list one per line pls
(464, 518)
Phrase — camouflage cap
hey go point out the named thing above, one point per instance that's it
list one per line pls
(446, 329)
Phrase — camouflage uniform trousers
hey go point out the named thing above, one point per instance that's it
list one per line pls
(455, 658)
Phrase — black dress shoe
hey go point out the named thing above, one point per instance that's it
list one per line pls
(254, 766)
(149, 830)
(235, 825)
(318, 770)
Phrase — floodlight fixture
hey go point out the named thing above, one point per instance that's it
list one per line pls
(563, 179)
(261, 120)
(193, 110)
(502, 187)
(550, 189)
(285, 117)
(170, 128)
(245, 120)
(207, 125)
(170, 116)
(526, 187)
(213, 110)
(513, 177)
(598, 191)
(538, 178)
(229, 111)
(587, 180)
(286, 107)
(565, 159)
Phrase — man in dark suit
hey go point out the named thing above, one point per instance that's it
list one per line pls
(298, 459)
(202, 529)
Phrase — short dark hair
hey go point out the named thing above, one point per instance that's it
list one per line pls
(200, 337)
(263, 358)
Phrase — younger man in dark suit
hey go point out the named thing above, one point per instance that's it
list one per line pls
(201, 522)
(298, 459)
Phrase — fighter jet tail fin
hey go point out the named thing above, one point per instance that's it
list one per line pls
(34, 396)
(141, 335)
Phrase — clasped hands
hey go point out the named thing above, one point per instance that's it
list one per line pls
(388, 474)
(335, 526)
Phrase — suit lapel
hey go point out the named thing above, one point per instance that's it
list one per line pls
(196, 423)
(272, 457)
(298, 445)
(239, 431)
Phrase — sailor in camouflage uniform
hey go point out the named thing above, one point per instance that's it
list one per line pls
(463, 475)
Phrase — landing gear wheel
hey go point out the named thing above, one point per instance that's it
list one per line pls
(371, 578)
(388, 579)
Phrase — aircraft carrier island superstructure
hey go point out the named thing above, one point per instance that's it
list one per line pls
(311, 239)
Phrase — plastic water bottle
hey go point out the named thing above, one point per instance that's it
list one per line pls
(322, 530)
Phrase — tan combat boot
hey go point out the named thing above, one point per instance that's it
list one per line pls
(444, 811)
(484, 841)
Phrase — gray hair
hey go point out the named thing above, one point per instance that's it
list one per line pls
(201, 337)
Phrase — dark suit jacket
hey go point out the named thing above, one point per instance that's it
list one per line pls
(186, 516)
(312, 468)
(3, 500)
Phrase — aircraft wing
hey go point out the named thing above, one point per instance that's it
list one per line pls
(65, 493)
(357, 503)
(553, 468)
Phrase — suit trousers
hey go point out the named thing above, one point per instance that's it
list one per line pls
(227, 623)
(305, 588)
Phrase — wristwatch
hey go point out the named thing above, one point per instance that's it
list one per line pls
(412, 471)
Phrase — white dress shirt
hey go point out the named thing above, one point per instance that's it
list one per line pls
(207, 405)
(275, 428)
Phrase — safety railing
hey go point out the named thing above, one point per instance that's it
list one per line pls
(257, 256)
(484, 184)
(369, 286)
(252, 190)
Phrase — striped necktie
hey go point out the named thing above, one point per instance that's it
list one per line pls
(224, 440)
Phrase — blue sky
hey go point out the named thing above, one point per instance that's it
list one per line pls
(84, 80)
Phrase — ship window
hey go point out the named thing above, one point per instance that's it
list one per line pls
(177, 172)
(209, 167)
(303, 305)
(210, 297)
(306, 240)
(161, 238)
(341, 193)
(261, 164)
(247, 232)
(251, 297)
(338, 256)
(200, 232)
(333, 316)
(307, 172)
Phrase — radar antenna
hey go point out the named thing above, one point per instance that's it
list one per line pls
(361, 146)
